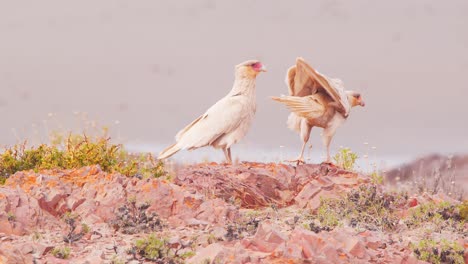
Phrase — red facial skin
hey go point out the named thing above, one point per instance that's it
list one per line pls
(257, 66)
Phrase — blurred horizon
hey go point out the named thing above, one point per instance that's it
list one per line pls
(146, 69)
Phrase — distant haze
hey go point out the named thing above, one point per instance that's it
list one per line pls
(148, 68)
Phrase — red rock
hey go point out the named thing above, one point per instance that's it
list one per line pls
(358, 250)
(12, 254)
(412, 202)
(374, 243)
(308, 192)
(411, 260)
(216, 211)
(267, 238)
(210, 252)
(259, 185)
(202, 199)
(332, 255)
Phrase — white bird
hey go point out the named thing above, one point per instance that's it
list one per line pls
(227, 121)
(316, 100)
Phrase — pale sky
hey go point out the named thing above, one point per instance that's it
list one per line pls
(156, 65)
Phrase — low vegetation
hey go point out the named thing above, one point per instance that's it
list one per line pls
(73, 234)
(370, 208)
(133, 218)
(77, 151)
(442, 251)
(61, 252)
(157, 249)
(346, 158)
(366, 207)
(437, 216)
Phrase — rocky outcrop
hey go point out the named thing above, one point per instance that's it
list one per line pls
(257, 185)
(210, 208)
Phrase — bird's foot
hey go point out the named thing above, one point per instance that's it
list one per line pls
(329, 163)
(298, 161)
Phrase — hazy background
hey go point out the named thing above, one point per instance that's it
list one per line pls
(147, 68)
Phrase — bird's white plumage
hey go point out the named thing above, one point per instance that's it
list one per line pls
(218, 122)
(227, 121)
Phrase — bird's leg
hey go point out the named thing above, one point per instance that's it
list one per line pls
(300, 159)
(326, 138)
(305, 134)
(328, 149)
(227, 154)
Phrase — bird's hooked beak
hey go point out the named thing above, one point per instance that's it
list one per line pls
(263, 68)
(362, 103)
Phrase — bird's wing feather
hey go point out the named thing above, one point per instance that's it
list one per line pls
(308, 106)
(185, 129)
(222, 118)
(308, 81)
(290, 80)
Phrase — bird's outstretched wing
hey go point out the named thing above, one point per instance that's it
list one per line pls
(222, 118)
(304, 80)
(307, 106)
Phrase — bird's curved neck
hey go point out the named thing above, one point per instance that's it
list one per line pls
(243, 85)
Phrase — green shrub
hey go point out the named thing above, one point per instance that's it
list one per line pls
(61, 252)
(78, 151)
(152, 248)
(439, 252)
(376, 178)
(442, 215)
(366, 207)
(463, 209)
(157, 249)
(345, 158)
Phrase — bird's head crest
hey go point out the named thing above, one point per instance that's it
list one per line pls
(250, 68)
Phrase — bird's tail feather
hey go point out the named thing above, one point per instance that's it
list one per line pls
(294, 122)
(169, 151)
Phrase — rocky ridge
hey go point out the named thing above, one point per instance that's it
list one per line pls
(244, 213)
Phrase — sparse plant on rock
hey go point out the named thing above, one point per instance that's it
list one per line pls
(442, 251)
(11, 216)
(36, 236)
(441, 216)
(61, 252)
(376, 177)
(367, 207)
(158, 250)
(72, 236)
(463, 209)
(117, 260)
(77, 151)
(132, 218)
(346, 158)
(238, 230)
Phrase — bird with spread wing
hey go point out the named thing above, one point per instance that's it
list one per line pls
(227, 121)
(316, 101)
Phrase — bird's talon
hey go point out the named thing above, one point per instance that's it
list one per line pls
(329, 163)
(297, 161)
